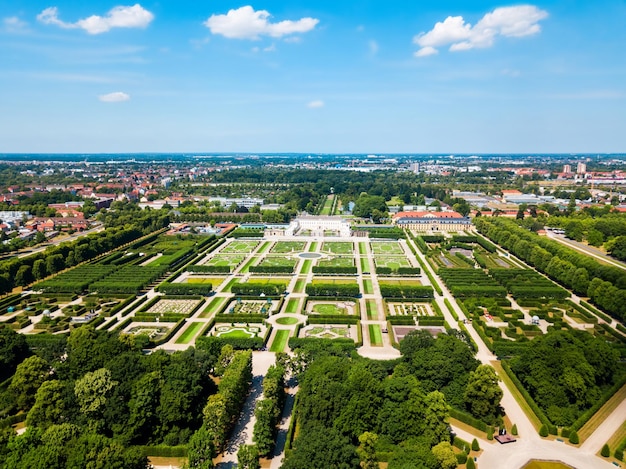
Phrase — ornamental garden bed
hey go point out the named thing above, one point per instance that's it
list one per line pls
(329, 331)
(171, 306)
(286, 247)
(239, 247)
(386, 248)
(331, 308)
(238, 330)
(338, 248)
(410, 309)
(240, 306)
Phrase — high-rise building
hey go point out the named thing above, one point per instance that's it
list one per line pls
(581, 168)
(567, 168)
(415, 167)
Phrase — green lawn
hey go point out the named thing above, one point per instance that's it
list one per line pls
(376, 336)
(328, 205)
(288, 246)
(280, 340)
(264, 248)
(365, 265)
(191, 331)
(362, 249)
(389, 248)
(281, 261)
(392, 262)
(292, 306)
(246, 266)
(214, 306)
(300, 284)
(240, 247)
(372, 310)
(230, 260)
(286, 321)
(368, 288)
(228, 286)
(313, 247)
(306, 266)
(236, 334)
(337, 262)
(328, 309)
(337, 248)
(546, 465)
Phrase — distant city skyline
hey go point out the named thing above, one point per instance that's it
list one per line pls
(313, 77)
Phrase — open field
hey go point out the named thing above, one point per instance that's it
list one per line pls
(300, 284)
(365, 265)
(368, 288)
(362, 249)
(292, 306)
(372, 309)
(214, 306)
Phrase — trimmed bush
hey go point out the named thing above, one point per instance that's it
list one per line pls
(475, 445)
(470, 464)
(573, 438)
(514, 429)
(543, 431)
(606, 451)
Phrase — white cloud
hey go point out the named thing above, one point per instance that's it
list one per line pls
(13, 24)
(245, 23)
(118, 17)
(316, 104)
(516, 21)
(115, 97)
(373, 45)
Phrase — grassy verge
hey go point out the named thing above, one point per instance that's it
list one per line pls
(292, 306)
(372, 310)
(191, 332)
(313, 247)
(214, 306)
(517, 395)
(617, 437)
(601, 415)
(300, 284)
(280, 340)
(362, 249)
(306, 267)
(365, 265)
(368, 288)
(264, 247)
(376, 336)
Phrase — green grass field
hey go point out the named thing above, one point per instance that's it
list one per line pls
(236, 334)
(286, 321)
(389, 248)
(337, 248)
(240, 247)
(313, 247)
(335, 281)
(403, 282)
(191, 331)
(337, 262)
(284, 247)
(392, 262)
(376, 336)
(365, 265)
(280, 340)
(246, 266)
(546, 465)
(368, 288)
(276, 261)
(372, 310)
(214, 306)
(362, 249)
(292, 306)
(229, 260)
(306, 266)
(328, 205)
(300, 284)
(328, 309)
(264, 248)
(229, 285)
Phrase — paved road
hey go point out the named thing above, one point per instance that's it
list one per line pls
(62, 240)
(585, 249)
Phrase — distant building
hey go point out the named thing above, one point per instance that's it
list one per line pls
(415, 167)
(567, 168)
(432, 221)
(581, 168)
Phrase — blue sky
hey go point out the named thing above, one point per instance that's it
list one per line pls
(313, 76)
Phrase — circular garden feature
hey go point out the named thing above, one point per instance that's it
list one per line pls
(286, 321)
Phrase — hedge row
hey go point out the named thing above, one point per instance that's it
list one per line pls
(333, 319)
(185, 288)
(468, 419)
(406, 291)
(328, 270)
(257, 289)
(162, 451)
(208, 269)
(240, 318)
(531, 402)
(332, 289)
(271, 269)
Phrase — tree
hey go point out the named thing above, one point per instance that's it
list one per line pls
(216, 419)
(13, 349)
(263, 435)
(573, 438)
(28, 377)
(482, 394)
(49, 407)
(92, 391)
(444, 454)
(470, 464)
(39, 269)
(514, 429)
(543, 431)
(606, 451)
(437, 417)
(248, 457)
(201, 450)
(23, 276)
(322, 448)
(367, 450)
(475, 445)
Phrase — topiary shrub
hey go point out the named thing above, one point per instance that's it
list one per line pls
(490, 433)
(573, 438)
(461, 458)
(543, 431)
(475, 445)
(606, 451)
(514, 430)
(619, 454)
(470, 464)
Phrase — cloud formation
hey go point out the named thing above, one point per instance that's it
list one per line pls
(13, 24)
(245, 23)
(516, 21)
(118, 17)
(316, 104)
(115, 97)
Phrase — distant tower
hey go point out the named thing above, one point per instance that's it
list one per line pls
(567, 168)
(415, 167)
(581, 168)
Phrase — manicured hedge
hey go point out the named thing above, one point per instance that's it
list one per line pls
(328, 270)
(208, 269)
(271, 269)
(333, 289)
(256, 289)
(468, 419)
(406, 291)
(185, 288)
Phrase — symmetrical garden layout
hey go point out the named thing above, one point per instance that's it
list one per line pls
(264, 292)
